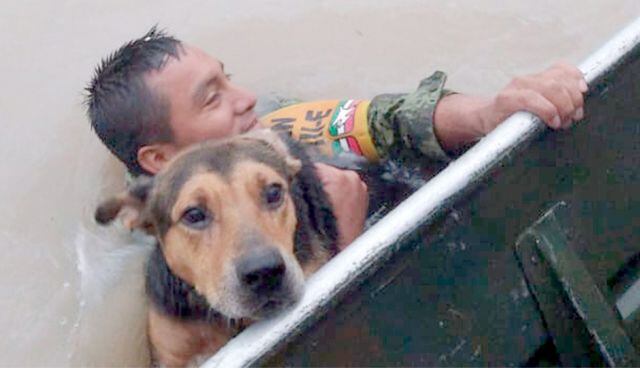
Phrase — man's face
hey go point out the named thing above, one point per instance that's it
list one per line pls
(204, 104)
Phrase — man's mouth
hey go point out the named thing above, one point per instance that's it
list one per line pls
(252, 124)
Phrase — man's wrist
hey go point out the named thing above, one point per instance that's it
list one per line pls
(460, 120)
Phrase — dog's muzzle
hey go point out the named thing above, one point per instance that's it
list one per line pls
(267, 284)
(261, 271)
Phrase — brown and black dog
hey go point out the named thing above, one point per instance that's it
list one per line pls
(240, 224)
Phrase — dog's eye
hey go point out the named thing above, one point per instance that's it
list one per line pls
(196, 217)
(273, 195)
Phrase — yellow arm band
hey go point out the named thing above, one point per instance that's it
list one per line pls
(333, 126)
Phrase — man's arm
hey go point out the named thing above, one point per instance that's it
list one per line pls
(555, 95)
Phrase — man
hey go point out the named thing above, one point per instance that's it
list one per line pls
(157, 95)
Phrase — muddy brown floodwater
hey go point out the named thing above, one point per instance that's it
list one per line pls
(70, 293)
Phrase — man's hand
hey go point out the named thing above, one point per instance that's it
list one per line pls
(349, 198)
(555, 95)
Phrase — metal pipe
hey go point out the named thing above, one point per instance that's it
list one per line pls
(376, 245)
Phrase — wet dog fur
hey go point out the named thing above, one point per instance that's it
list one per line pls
(240, 224)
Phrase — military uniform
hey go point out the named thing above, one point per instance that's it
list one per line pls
(390, 125)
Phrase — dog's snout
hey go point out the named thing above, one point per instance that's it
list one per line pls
(262, 271)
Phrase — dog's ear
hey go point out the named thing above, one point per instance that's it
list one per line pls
(129, 206)
(277, 143)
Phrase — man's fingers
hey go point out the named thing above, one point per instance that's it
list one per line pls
(555, 90)
(575, 85)
(321, 171)
(326, 172)
(582, 85)
(562, 85)
(329, 174)
(573, 73)
(532, 101)
(540, 106)
(572, 77)
(555, 95)
(568, 69)
(560, 97)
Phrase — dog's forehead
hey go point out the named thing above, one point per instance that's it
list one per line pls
(220, 158)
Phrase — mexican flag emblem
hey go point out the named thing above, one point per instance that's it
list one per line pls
(343, 118)
(346, 144)
(341, 123)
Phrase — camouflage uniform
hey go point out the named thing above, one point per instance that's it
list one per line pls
(398, 126)
(401, 125)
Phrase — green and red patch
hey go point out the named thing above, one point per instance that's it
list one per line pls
(346, 144)
(343, 118)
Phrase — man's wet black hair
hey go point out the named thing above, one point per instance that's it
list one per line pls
(123, 111)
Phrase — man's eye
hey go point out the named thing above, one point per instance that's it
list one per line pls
(196, 217)
(212, 98)
(273, 195)
(228, 75)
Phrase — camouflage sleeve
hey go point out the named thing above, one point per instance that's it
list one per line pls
(401, 125)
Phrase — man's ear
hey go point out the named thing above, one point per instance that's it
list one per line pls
(129, 206)
(153, 158)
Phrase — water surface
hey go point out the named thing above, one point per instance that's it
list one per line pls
(71, 293)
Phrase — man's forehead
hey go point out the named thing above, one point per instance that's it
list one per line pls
(192, 65)
(201, 54)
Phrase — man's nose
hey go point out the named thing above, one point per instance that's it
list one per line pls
(245, 100)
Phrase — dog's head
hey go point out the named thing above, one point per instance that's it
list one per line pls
(226, 218)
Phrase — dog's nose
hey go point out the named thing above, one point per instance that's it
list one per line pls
(262, 271)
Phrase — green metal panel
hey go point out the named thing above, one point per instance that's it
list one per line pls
(585, 328)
